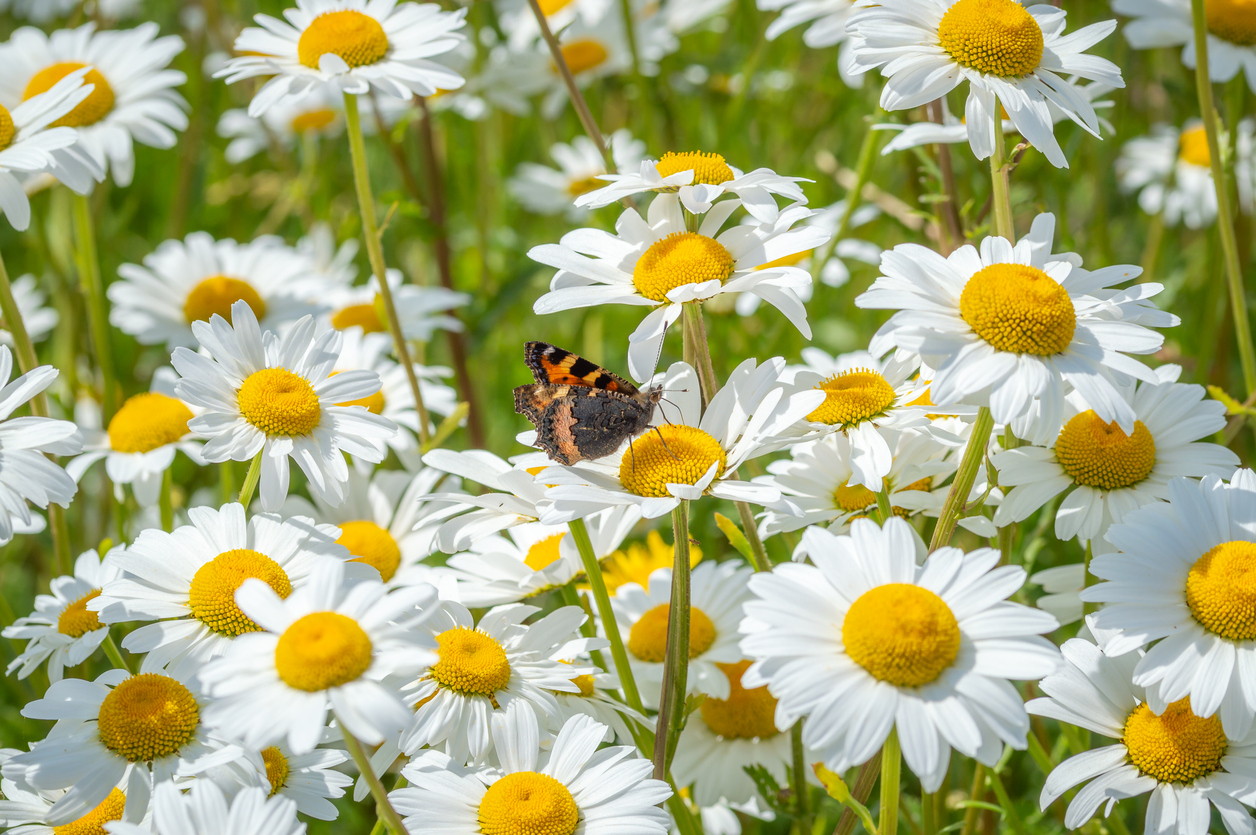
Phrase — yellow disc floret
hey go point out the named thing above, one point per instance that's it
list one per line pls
(364, 316)
(1232, 20)
(313, 120)
(670, 455)
(147, 717)
(709, 169)
(356, 37)
(76, 620)
(215, 295)
(996, 37)
(93, 823)
(373, 403)
(1193, 144)
(148, 421)
(1020, 309)
(212, 594)
(373, 545)
(471, 662)
(276, 769)
(745, 714)
(680, 258)
(902, 634)
(279, 402)
(584, 54)
(1221, 590)
(90, 110)
(7, 129)
(1099, 454)
(528, 803)
(322, 650)
(544, 552)
(851, 397)
(648, 637)
(853, 497)
(1176, 746)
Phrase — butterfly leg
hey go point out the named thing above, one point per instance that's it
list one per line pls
(665, 446)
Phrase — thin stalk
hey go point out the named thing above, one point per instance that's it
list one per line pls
(1001, 187)
(973, 812)
(965, 477)
(884, 508)
(1225, 213)
(702, 351)
(588, 629)
(97, 308)
(891, 767)
(1010, 814)
(854, 197)
(645, 109)
(676, 662)
(953, 227)
(928, 813)
(166, 501)
(250, 480)
(758, 552)
(867, 778)
(1088, 579)
(114, 654)
(798, 778)
(383, 805)
(375, 251)
(1151, 249)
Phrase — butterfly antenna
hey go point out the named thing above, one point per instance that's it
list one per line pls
(665, 446)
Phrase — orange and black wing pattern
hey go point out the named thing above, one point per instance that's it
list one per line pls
(554, 366)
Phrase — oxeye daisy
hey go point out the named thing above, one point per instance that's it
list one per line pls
(1189, 764)
(422, 310)
(204, 810)
(1108, 473)
(598, 698)
(574, 787)
(1170, 170)
(276, 398)
(636, 562)
(888, 642)
(717, 593)
(319, 113)
(1231, 33)
(132, 99)
(32, 304)
(309, 780)
(62, 630)
(514, 496)
(1181, 585)
(550, 191)
(1017, 326)
(355, 45)
(328, 646)
(1012, 57)
(25, 811)
(827, 19)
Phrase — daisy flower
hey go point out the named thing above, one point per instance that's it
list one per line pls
(1170, 170)
(132, 98)
(204, 811)
(599, 699)
(354, 45)
(32, 304)
(636, 562)
(319, 113)
(1188, 764)
(550, 191)
(659, 262)
(1014, 326)
(1108, 473)
(1231, 33)
(422, 310)
(688, 452)
(574, 787)
(828, 28)
(515, 496)
(924, 649)
(62, 630)
(24, 811)
(272, 397)
(189, 281)
(717, 592)
(327, 647)
(1011, 56)
(185, 582)
(309, 780)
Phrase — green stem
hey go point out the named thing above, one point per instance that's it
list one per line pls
(1009, 810)
(758, 553)
(383, 805)
(695, 329)
(867, 778)
(114, 654)
(250, 480)
(1001, 188)
(891, 766)
(883, 503)
(1088, 579)
(676, 662)
(375, 252)
(166, 501)
(928, 813)
(798, 779)
(1225, 213)
(978, 791)
(965, 477)
(97, 308)
(588, 629)
(854, 197)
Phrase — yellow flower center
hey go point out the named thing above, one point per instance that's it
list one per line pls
(578, 187)
(902, 634)
(1099, 454)
(636, 564)
(853, 497)
(364, 316)
(709, 169)
(528, 803)
(584, 682)
(356, 37)
(648, 637)
(322, 650)
(996, 37)
(7, 129)
(147, 717)
(1193, 144)
(549, 7)
(583, 54)
(276, 769)
(745, 714)
(279, 402)
(851, 397)
(1176, 746)
(371, 544)
(212, 595)
(93, 823)
(373, 403)
(471, 662)
(1232, 20)
(216, 294)
(76, 620)
(313, 120)
(786, 260)
(1019, 309)
(544, 553)
(680, 258)
(148, 421)
(679, 455)
(1221, 590)
(89, 111)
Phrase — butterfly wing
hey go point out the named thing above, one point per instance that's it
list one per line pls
(554, 366)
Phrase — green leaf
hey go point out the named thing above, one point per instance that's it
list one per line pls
(735, 536)
(839, 791)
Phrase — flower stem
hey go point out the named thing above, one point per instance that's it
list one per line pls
(114, 654)
(1009, 810)
(1001, 187)
(854, 197)
(250, 480)
(383, 805)
(928, 813)
(883, 503)
(891, 767)
(758, 553)
(375, 252)
(965, 477)
(676, 662)
(1225, 212)
(798, 779)
(97, 308)
(166, 501)
(696, 330)
(867, 778)
(978, 791)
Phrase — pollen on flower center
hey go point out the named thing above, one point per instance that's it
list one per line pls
(7, 129)
(707, 168)
(276, 769)
(745, 714)
(215, 295)
(648, 637)
(902, 634)
(147, 717)
(583, 54)
(471, 662)
(356, 37)
(364, 316)
(853, 497)
(313, 120)
(373, 403)
(322, 650)
(91, 110)
(851, 397)
(528, 803)
(544, 552)
(93, 823)
(1193, 143)
(1221, 590)
(996, 37)
(1099, 454)
(671, 455)
(373, 545)
(279, 402)
(212, 594)
(148, 421)
(1232, 20)
(1176, 746)
(680, 258)
(1019, 309)
(76, 620)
